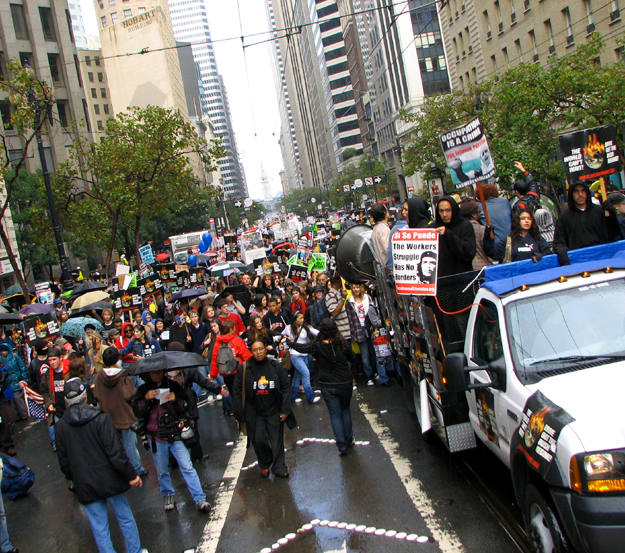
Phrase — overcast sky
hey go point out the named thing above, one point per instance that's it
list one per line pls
(251, 94)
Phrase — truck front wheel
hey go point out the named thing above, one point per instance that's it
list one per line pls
(542, 526)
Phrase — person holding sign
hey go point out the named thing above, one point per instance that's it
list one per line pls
(457, 245)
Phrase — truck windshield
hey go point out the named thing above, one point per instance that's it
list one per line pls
(567, 329)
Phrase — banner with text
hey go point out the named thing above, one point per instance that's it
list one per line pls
(467, 154)
(415, 260)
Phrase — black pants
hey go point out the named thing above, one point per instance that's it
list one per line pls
(6, 441)
(267, 437)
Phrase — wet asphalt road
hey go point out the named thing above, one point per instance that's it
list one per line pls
(395, 482)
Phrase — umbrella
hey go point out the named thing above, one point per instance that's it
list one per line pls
(9, 319)
(13, 290)
(19, 298)
(162, 256)
(98, 306)
(189, 293)
(75, 328)
(38, 309)
(226, 268)
(168, 361)
(90, 297)
(85, 287)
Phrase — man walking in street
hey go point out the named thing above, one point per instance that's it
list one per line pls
(335, 302)
(92, 456)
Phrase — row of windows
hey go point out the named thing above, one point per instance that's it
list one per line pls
(115, 16)
(94, 93)
(100, 77)
(105, 108)
(111, 3)
(21, 28)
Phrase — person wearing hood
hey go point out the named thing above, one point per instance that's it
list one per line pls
(415, 213)
(16, 373)
(267, 406)
(141, 345)
(92, 456)
(127, 334)
(456, 245)
(114, 391)
(584, 224)
(239, 350)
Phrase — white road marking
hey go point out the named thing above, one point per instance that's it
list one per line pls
(442, 533)
(221, 505)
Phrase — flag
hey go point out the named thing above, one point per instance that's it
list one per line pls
(34, 403)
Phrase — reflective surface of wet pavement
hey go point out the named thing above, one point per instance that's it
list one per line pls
(392, 492)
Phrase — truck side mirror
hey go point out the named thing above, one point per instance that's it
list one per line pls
(455, 371)
(497, 372)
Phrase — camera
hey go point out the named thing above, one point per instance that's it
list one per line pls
(165, 420)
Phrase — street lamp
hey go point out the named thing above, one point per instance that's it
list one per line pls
(43, 107)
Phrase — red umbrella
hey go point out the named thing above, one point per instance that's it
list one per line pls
(162, 256)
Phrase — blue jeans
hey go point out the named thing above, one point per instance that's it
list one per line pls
(367, 358)
(99, 519)
(337, 400)
(385, 364)
(301, 364)
(226, 402)
(129, 440)
(181, 454)
(51, 431)
(5, 542)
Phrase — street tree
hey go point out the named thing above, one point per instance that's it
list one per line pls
(139, 170)
(30, 102)
(523, 111)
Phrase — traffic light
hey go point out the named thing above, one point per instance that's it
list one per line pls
(337, 189)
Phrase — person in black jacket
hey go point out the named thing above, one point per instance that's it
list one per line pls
(162, 423)
(92, 456)
(456, 244)
(584, 224)
(267, 406)
(332, 354)
(525, 241)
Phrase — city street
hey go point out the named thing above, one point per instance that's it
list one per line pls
(393, 492)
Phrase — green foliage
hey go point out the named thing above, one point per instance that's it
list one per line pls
(31, 220)
(364, 166)
(139, 170)
(299, 201)
(524, 112)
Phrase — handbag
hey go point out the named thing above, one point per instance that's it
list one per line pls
(206, 352)
(285, 359)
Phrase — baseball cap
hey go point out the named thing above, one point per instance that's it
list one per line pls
(40, 346)
(54, 352)
(616, 198)
(319, 289)
(74, 387)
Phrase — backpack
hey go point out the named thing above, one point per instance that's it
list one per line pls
(226, 361)
(17, 478)
(320, 311)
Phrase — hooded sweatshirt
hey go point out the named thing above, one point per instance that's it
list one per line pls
(91, 454)
(418, 217)
(239, 350)
(114, 390)
(579, 229)
(122, 342)
(15, 366)
(457, 247)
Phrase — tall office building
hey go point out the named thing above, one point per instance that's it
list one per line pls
(318, 110)
(190, 23)
(78, 24)
(486, 38)
(39, 33)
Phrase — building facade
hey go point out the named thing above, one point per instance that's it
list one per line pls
(190, 24)
(78, 24)
(99, 106)
(489, 37)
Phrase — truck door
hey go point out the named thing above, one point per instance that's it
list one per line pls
(488, 406)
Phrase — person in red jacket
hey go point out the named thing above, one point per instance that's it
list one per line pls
(239, 350)
(128, 333)
(226, 314)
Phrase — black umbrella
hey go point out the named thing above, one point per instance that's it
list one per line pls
(167, 361)
(189, 293)
(10, 319)
(38, 309)
(19, 298)
(98, 306)
(85, 287)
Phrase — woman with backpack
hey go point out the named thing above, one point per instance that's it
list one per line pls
(229, 353)
(300, 333)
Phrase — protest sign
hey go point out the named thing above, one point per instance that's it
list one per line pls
(41, 326)
(297, 273)
(467, 154)
(127, 300)
(196, 276)
(318, 262)
(149, 285)
(182, 278)
(590, 154)
(167, 272)
(43, 293)
(121, 269)
(415, 261)
(147, 254)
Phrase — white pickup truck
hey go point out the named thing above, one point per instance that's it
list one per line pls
(529, 358)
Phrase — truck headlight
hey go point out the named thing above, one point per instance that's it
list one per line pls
(602, 471)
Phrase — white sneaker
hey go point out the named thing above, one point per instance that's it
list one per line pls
(316, 400)
(354, 388)
(298, 400)
(218, 397)
(370, 383)
(377, 377)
